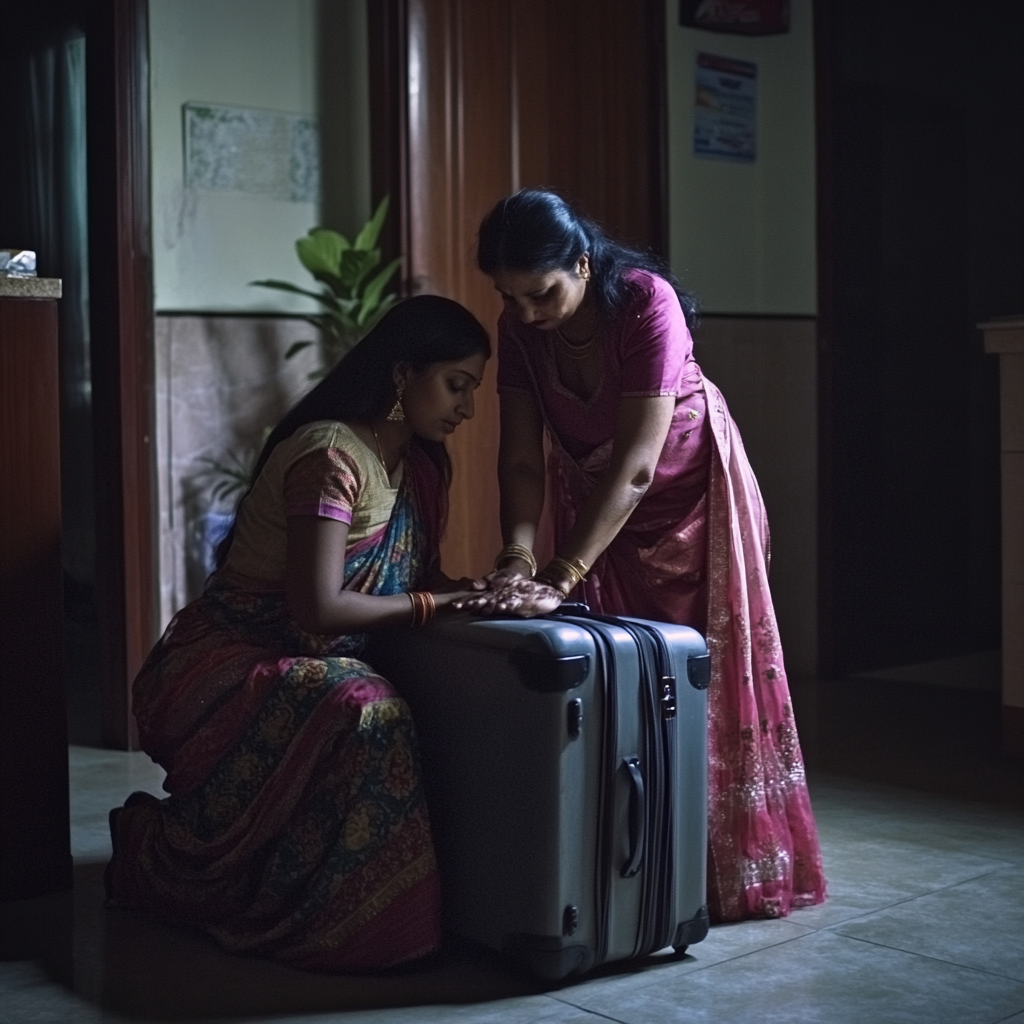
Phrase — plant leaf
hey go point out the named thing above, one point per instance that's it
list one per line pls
(333, 282)
(284, 286)
(354, 265)
(386, 303)
(321, 321)
(367, 238)
(371, 294)
(296, 348)
(321, 251)
(339, 324)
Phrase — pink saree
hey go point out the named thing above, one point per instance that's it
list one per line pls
(694, 551)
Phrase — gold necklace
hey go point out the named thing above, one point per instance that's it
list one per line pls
(575, 349)
(380, 453)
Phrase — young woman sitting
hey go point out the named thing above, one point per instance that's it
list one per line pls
(296, 828)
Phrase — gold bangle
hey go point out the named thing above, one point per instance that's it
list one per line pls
(581, 567)
(414, 598)
(429, 606)
(510, 551)
(559, 585)
(571, 567)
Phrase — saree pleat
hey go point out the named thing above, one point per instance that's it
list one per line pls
(764, 854)
(296, 827)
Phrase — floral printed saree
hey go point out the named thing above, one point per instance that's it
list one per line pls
(296, 827)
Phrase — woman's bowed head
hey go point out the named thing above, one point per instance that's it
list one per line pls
(557, 272)
(409, 383)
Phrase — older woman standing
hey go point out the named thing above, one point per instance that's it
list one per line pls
(657, 514)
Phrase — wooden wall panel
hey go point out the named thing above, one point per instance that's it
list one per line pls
(474, 99)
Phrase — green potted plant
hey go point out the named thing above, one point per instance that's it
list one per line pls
(352, 298)
(352, 295)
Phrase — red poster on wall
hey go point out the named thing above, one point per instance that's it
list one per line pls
(741, 17)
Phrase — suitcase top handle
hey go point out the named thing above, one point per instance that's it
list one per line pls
(698, 666)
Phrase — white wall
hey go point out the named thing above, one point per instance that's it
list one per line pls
(742, 236)
(262, 54)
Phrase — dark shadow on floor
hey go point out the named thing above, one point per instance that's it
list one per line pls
(934, 739)
(154, 971)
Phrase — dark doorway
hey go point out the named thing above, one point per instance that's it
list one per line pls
(921, 120)
(74, 138)
(44, 207)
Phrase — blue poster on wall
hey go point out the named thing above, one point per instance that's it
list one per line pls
(725, 120)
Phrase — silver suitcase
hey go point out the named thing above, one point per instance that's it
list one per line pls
(565, 767)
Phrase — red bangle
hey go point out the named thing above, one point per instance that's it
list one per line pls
(423, 606)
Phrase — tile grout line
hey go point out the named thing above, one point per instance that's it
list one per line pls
(910, 899)
(697, 970)
(596, 1013)
(936, 959)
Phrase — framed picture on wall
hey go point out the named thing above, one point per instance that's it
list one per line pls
(739, 17)
(725, 111)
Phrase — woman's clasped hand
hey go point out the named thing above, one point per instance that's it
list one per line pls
(506, 593)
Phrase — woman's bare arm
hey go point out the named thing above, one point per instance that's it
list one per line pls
(641, 427)
(521, 473)
(314, 577)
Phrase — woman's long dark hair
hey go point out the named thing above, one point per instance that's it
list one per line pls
(420, 331)
(536, 231)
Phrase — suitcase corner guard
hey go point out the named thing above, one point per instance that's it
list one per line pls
(546, 958)
(694, 930)
(698, 671)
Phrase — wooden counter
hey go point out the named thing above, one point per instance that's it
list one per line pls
(35, 838)
(1005, 337)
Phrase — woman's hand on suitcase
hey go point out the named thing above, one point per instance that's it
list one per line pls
(512, 596)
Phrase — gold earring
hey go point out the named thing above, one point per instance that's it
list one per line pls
(397, 414)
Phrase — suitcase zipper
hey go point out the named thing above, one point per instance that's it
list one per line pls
(655, 788)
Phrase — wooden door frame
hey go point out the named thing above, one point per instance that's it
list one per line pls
(825, 155)
(387, 26)
(121, 325)
(657, 46)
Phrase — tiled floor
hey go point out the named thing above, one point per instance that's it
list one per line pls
(925, 922)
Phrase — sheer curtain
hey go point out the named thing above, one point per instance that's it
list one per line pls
(56, 223)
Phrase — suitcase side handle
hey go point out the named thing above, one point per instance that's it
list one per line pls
(637, 818)
(698, 671)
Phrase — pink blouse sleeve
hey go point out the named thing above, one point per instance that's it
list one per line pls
(513, 373)
(655, 343)
(323, 483)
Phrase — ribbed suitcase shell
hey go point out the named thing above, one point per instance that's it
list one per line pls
(534, 815)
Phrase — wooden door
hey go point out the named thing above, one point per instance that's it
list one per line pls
(474, 99)
(121, 316)
(35, 836)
